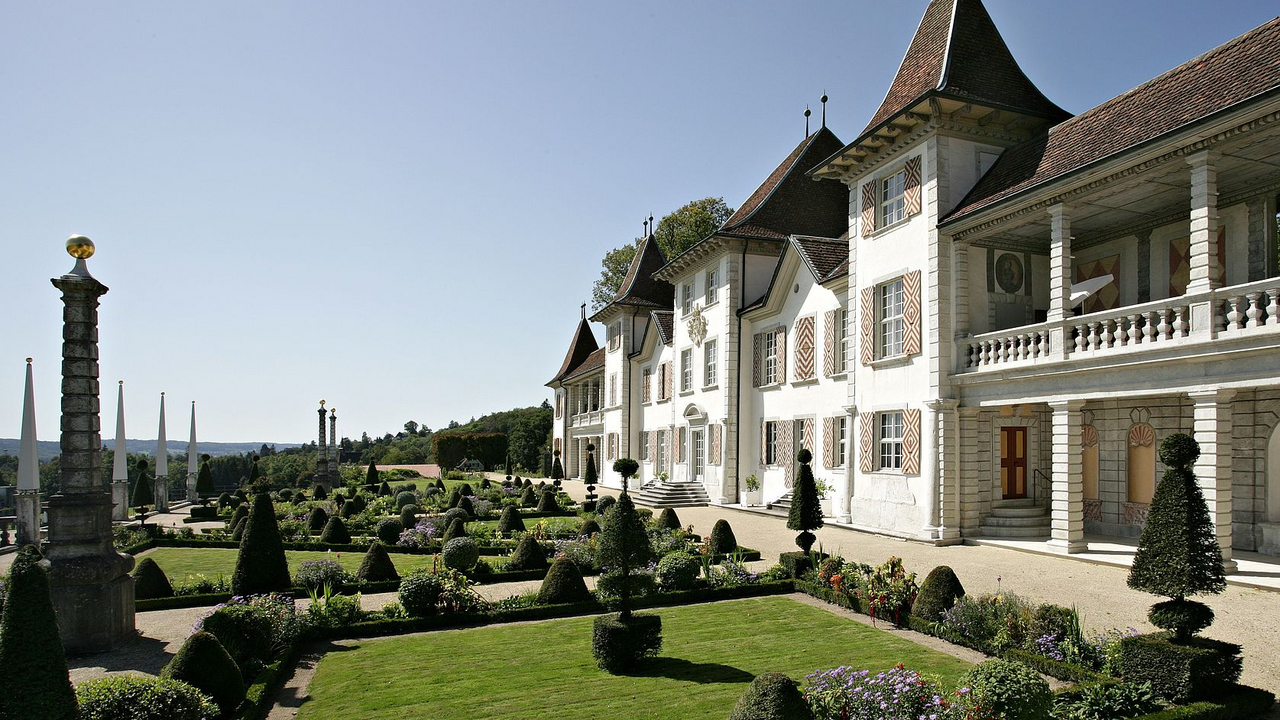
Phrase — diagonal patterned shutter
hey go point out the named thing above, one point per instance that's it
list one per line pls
(911, 441)
(868, 208)
(829, 343)
(644, 385)
(828, 442)
(713, 431)
(666, 380)
(653, 446)
(679, 445)
(780, 347)
(764, 441)
(911, 333)
(786, 452)
(805, 359)
(867, 326)
(867, 442)
(807, 440)
(911, 186)
(613, 389)
(757, 351)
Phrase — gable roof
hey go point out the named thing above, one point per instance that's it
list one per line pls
(639, 288)
(826, 259)
(584, 343)
(1231, 73)
(665, 321)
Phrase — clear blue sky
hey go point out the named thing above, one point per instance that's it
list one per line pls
(399, 206)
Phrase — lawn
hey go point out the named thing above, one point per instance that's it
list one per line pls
(545, 669)
(179, 563)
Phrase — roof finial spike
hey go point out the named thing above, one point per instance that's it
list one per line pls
(824, 108)
(646, 227)
(584, 311)
(652, 227)
(807, 113)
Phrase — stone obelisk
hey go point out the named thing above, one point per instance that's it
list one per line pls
(120, 468)
(333, 445)
(162, 464)
(322, 455)
(89, 580)
(28, 470)
(193, 459)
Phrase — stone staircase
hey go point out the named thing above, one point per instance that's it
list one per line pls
(671, 494)
(1016, 519)
(783, 503)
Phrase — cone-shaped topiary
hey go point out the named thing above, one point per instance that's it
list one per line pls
(315, 521)
(1178, 552)
(937, 594)
(205, 664)
(485, 484)
(319, 493)
(526, 483)
(589, 476)
(467, 506)
(261, 566)
(668, 519)
(237, 533)
(548, 503)
(806, 508)
(465, 489)
(371, 476)
(771, 696)
(722, 541)
(204, 479)
(563, 584)
(376, 565)
(589, 527)
(457, 529)
(510, 521)
(241, 512)
(528, 498)
(624, 548)
(455, 497)
(627, 468)
(557, 470)
(35, 669)
(143, 494)
(528, 555)
(335, 532)
(384, 489)
(149, 581)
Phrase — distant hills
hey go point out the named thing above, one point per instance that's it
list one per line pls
(48, 449)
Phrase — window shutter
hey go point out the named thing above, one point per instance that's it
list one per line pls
(805, 359)
(868, 208)
(911, 442)
(653, 446)
(714, 441)
(867, 326)
(911, 333)
(666, 445)
(764, 441)
(807, 440)
(911, 186)
(829, 343)
(786, 451)
(559, 404)
(644, 385)
(666, 380)
(757, 347)
(557, 444)
(780, 348)
(613, 389)
(828, 442)
(867, 442)
(679, 446)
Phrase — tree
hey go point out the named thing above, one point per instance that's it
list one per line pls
(31, 647)
(371, 477)
(806, 509)
(627, 468)
(624, 547)
(204, 479)
(411, 428)
(614, 269)
(261, 566)
(143, 492)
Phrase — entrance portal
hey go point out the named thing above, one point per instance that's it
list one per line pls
(1013, 462)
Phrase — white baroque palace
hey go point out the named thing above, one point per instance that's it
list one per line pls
(982, 318)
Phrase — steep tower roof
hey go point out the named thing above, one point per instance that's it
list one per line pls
(584, 343)
(639, 288)
(789, 203)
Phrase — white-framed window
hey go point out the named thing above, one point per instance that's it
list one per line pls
(893, 199)
(644, 445)
(771, 442)
(613, 389)
(712, 292)
(662, 450)
(709, 362)
(686, 370)
(770, 363)
(842, 340)
(615, 336)
(889, 307)
(686, 297)
(842, 430)
(890, 440)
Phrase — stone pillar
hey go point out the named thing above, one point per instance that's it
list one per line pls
(844, 512)
(1059, 278)
(970, 499)
(1144, 266)
(28, 495)
(1259, 249)
(28, 512)
(946, 414)
(930, 464)
(962, 288)
(322, 454)
(1211, 418)
(1204, 222)
(333, 445)
(91, 587)
(1067, 505)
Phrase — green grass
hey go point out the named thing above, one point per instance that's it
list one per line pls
(180, 563)
(545, 669)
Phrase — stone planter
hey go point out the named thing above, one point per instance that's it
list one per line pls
(751, 498)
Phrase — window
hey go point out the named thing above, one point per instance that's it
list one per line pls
(771, 443)
(842, 429)
(686, 294)
(644, 446)
(686, 370)
(770, 358)
(712, 292)
(893, 199)
(842, 340)
(709, 363)
(615, 336)
(613, 389)
(891, 441)
(890, 305)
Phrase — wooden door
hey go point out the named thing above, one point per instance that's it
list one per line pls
(1013, 462)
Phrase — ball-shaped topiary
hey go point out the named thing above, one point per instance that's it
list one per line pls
(261, 566)
(335, 532)
(454, 514)
(316, 520)
(528, 555)
(420, 593)
(668, 520)
(224, 500)
(408, 516)
(678, 570)
(563, 584)
(204, 663)
(722, 541)
(149, 581)
(547, 502)
(528, 498)
(460, 553)
(627, 468)
(603, 505)
(510, 522)
(136, 697)
(589, 527)
(937, 594)
(806, 507)
(456, 529)
(389, 530)
(485, 484)
(405, 498)
(771, 696)
(316, 574)
(31, 646)
(1009, 689)
(376, 565)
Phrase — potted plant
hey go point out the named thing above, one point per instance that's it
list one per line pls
(824, 489)
(751, 498)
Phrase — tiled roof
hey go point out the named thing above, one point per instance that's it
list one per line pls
(594, 361)
(1225, 76)
(639, 287)
(826, 258)
(958, 52)
(665, 321)
(584, 343)
(789, 202)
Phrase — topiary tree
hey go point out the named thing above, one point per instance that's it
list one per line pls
(528, 498)
(508, 465)
(143, 495)
(319, 492)
(589, 527)
(384, 489)
(371, 476)
(237, 532)
(465, 489)
(563, 584)
(389, 530)
(722, 540)
(335, 532)
(241, 512)
(528, 555)
(467, 506)
(510, 522)
(1008, 689)
(1178, 553)
(315, 521)
(35, 669)
(627, 468)
(806, 508)
(590, 477)
(557, 470)
(376, 565)
(624, 548)
(606, 502)
(457, 529)
(408, 516)
(678, 570)
(204, 480)
(771, 696)
(205, 664)
(548, 503)
(460, 553)
(149, 581)
(261, 566)
(455, 497)
(938, 593)
(668, 519)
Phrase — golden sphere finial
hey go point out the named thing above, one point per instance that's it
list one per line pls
(28, 361)
(321, 403)
(80, 247)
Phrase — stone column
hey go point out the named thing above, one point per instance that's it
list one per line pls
(947, 431)
(333, 446)
(930, 464)
(120, 469)
(28, 496)
(1204, 222)
(1067, 505)
(1144, 266)
(1060, 278)
(970, 500)
(162, 464)
(90, 584)
(322, 454)
(1259, 249)
(962, 287)
(1211, 418)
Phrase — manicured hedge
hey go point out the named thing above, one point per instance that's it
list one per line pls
(1244, 702)
(748, 555)
(350, 547)
(260, 695)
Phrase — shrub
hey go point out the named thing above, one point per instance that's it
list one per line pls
(204, 663)
(408, 516)
(349, 509)
(134, 697)
(465, 489)
(604, 504)
(1194, 669)
(389, 530)
(405, 498)
(237, 533)
(455, 497)
(624, 548)
(224, 500)
(589, 527)
(621, 643)
(722, 541)
(335, 532)
(454, 514)
(319, 493)
(771, 696)
(528, 498)
(420, 593)
(1107, 701)
(510, 521)
(376, 565)
(457, 529)
(204, 511)
(806, 508)
(315, 574)
(678, 570)
(241, 512)
(668, 519)
(548, 502)
(316, 521)
(460, 553)
(1011, 688)
(528, 555)
(938, 593)
(261, 565)
(31, 646)
(563, 584)
(466, 506)
(1188, 616)
(149, 581)
(243, 631)
(895, 694)
(285, 494)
